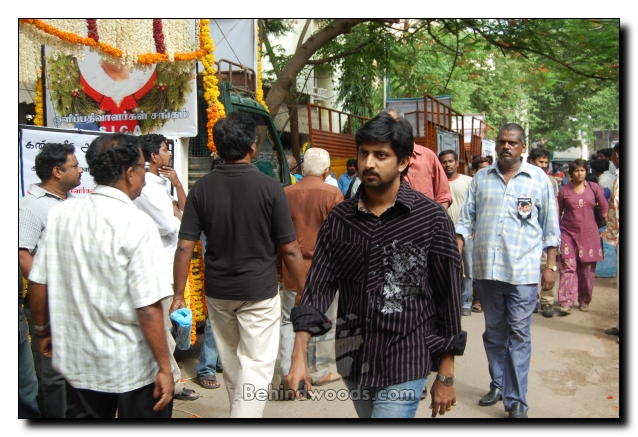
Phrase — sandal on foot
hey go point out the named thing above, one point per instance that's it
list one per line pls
(612, 331)
(477, 308)
(186, 395)
(200, 381)
(330, 377)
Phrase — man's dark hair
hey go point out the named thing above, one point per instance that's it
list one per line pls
(538, 152)
(52, 155)
(516, 127)
(600, 165)
(616, 148)
(384, 128)
(447, 152)
(490, 159)
(606, 152)
(575, 164)
(109, 156)
(151, 144)
(233, 135)
(478, 160)
(353, 162)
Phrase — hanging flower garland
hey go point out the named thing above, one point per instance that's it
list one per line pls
(260, 90)
(194, 296)
(93, 40)
(201, 272)
(39, 104)
(158, 36)
(215, 109)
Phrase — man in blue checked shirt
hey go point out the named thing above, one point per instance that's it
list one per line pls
(512, 207)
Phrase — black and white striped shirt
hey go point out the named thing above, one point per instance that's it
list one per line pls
(399, 278)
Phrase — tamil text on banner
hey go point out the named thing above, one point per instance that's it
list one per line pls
(161, 98)
(31, 139)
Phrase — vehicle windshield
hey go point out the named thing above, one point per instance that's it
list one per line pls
(268, 153)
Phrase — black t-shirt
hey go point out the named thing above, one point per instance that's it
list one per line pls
(244, 215)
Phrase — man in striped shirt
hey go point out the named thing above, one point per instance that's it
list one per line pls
(508, 242)
(391, 253)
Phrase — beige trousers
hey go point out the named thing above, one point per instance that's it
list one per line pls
(177, 374)
(546, 297)
(247, 339)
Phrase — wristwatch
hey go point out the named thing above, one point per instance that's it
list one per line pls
(447, 380)
(551, 267)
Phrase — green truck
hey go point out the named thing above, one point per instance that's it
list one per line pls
(237, 91)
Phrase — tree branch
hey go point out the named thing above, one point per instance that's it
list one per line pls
(303, 33)
(269, 50)
(340, 55)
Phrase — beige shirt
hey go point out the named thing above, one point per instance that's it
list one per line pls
(458, 188)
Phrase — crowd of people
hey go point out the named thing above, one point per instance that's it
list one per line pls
(385, 261)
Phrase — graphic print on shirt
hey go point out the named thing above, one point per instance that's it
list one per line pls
(406, 273)
(524, 209)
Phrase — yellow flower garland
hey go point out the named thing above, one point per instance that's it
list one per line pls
(260, 90)
(215, 109)
(39, 104)
(194, 295)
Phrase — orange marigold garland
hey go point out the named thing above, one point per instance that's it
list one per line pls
(39, 104)
(194, 296)
(201, 272)
(215, 109)
(93, 41)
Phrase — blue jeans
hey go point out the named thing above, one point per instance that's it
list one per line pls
(208, 356)
(507, 338)
(398, 401)
(27, 383)
(467, 280)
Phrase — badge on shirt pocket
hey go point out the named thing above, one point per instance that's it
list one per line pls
(524, 209)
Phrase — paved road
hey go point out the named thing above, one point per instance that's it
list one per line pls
(574, 372)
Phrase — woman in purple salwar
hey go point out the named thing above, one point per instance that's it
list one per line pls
(581, 246)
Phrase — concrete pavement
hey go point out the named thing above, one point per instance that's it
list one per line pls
(574, 372)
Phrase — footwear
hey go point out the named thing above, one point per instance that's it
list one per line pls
(425, 393)
(186, 395)
(584, 307)
(466, 312)
(477, 308)
(330, 377)
(612, 331)
(492, 397)
(548, 310)
(518, 411)
(200, 381)
(219, 369)
(565, 310)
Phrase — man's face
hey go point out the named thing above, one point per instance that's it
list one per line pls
(379, 165)
(72, 177)
(292, 162)
(450, 165)
(509, 147)
(542, 162)
(164, 156)
(615, 159)
(526, 208)
(139, 179)
(351, 170)
(600, 155)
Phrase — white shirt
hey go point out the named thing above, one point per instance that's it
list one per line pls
(606, 180)
(158, 204)
(98, 258)
(331, 181)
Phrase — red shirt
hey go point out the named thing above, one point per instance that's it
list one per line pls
(427, 176)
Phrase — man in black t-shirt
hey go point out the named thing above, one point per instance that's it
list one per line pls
(245, 217)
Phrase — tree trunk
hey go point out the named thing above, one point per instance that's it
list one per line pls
(294, 127)
(285, 80)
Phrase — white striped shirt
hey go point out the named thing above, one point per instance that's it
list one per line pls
(33, 212)
(101, 258)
